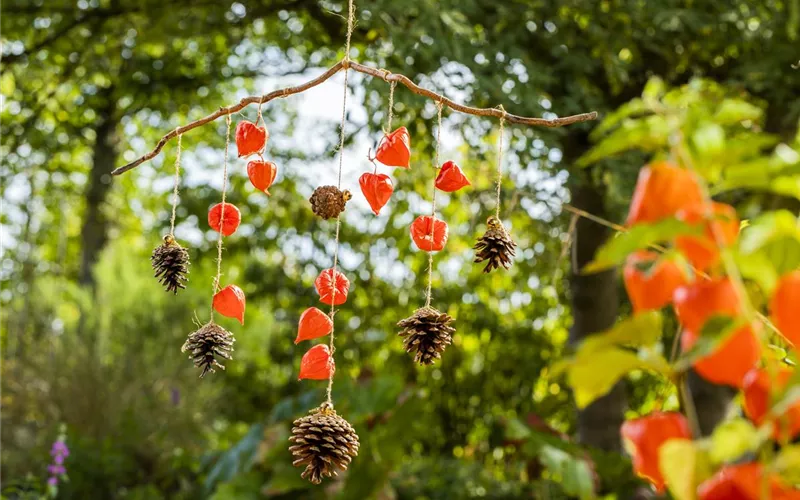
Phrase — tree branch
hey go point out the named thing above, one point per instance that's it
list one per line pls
(383, 74)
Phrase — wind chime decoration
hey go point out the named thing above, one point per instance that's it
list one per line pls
(496, 247)
(213, 343)
(322, 441)
(428, 331)
(170, 260)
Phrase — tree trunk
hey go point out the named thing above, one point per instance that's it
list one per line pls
(95, 223)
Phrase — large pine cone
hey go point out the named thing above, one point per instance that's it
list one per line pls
(328, 201)
(495, 246)
(171, 263)
(426, 334)
(207, 345)
(323, 442)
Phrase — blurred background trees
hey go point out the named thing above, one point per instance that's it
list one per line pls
(90, 341)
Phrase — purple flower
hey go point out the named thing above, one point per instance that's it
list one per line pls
(59, 459)
(56, 469)
(59, 448)
(53, 481)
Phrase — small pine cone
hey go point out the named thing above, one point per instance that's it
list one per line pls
(495, 246)
(323, 442)
(328, 201)
(171, 263)
(426, 334)
(207, 345)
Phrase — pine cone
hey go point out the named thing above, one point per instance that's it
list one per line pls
(323, 442)
(171, 263)
(208, 344)
(495, 246)
(328, 201)
(426, 334)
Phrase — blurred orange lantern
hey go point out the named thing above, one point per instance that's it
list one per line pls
(230, 302)
(757, 388)
(784, 300)
(377, 189)
(661, 190)
(428, 234)
(744, 482)
(317, 364)
(651, 288)
(698, 301)
(704, 251)
(262, 174)
(226, 221)
(328, 293)
(313, 324)
(395, 149)
(731, 360)
(644, 436)
(250, 138)
(451, 178)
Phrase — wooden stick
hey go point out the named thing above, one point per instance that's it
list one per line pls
(384, 75)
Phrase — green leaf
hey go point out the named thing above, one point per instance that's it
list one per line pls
(732, 439)
(716, 330)
(787, 463)
(776, 236)
(683, 466)
(648, 134)
(616, 250)
(709, 139)
(734, 111)
(642, 329)
(575, 472)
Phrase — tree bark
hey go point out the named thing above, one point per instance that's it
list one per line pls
(94, 233)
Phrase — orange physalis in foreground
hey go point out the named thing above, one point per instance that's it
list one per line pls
(428, 234)
(395, 149)
(661, 190)
(227, 221)
(744, 482)
(644, 436)
(784, 304)
(262, 174)
(325, 287)
(451, 178)
(377, 189)
(757, 386)
(230, 302)
(313, 324)
(651, 288)
(697, 302)
(317, 364)
(703, 251)
(250, 138)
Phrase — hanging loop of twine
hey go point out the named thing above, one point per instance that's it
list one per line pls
(428, 292)
(388, 128)
(222, 212)
(500, 161)
(175, 188)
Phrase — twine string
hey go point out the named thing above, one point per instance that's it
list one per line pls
(222, 211)
(391, 108)
(331, 346)
(433, 204)
(175, 188)
(500, 161)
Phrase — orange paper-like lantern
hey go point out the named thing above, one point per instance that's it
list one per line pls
(451, 178)
(731, 361)
(661, 190)
(785, 300)
(644, 436)
(250, 138)
(317, 364)
(703, 251)
(313, 324)
(395, 149)
(377, 189)
(226, 221)
(230, 302)
(743, 482)
(428, 234)
(696, 302)
(651, 288)
(262, 174)
(325, 287)
(757, 387)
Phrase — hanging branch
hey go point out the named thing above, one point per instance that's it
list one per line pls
(384, 75)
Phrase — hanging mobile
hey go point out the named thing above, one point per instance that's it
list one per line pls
(170, 260)
(496, 246)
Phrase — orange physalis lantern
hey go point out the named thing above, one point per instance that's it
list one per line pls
(644, 436)
(313, 324)
(651, 288)
(262, 174)
(395, 149)
(757, 386)
(250, 138)
(703, 251)
(377, 189)
(317, 364)
(325, 287)
(451, 178)
(428, 234)
(744, 482)
(784, 301)
(227, 221)
(661, 190)
(230, 302)
(696, 302)
(731, 361)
